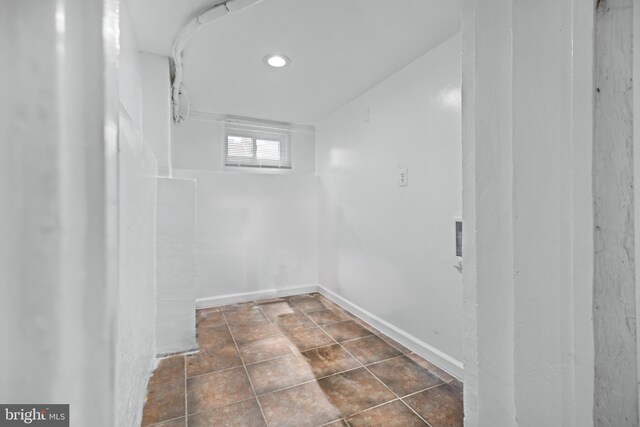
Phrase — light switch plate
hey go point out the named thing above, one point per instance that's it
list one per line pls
(403, 177)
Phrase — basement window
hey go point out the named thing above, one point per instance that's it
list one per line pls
(246, 148)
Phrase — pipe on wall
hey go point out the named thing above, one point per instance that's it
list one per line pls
(208, 15)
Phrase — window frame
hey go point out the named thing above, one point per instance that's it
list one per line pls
(283, 138)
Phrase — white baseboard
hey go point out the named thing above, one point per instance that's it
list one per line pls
(433, 355)
(253, 296)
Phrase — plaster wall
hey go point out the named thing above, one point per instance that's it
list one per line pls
(58, 216)
(470, 331)
(156, 96)
(528, 209)
(176, 268)
(391, 249)
(614, 299)
(137, 204)
(255, 231)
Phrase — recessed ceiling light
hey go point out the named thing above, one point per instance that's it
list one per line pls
(277, 61)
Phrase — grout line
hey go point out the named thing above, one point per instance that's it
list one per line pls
(361, 365)
(270, 359)
(159, 423)
(220, 407)
(313, 380)
(186, 407)
(255, 395)
(424, 389)
(379, 380)
(386, 360)
(374, 407)
(382, 336)
(358, 338)
(215, 372)
(334, 421)
(411, 409)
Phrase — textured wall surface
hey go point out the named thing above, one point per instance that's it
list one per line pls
(136, 332)
(616, 380)
(528, 210)
(391, 249)
(176, 266)
(470, 330)
(137, 204)
(156, 96)
(58, 227)
(493, 215)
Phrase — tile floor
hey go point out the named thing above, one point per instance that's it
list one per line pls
(298, 361)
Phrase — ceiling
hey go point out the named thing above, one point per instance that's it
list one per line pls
(338, 50)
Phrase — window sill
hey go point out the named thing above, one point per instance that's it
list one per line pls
(265, 171)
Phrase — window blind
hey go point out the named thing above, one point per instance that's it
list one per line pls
(257, 150)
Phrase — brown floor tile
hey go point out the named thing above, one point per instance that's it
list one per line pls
(170, 369)
(306, 339)
(339, 423)
(367, 326)
(329, 360)
(303, 405)
(370, 349)
(344, 331)
(212, 337)
(441, 406)
(274, 309)
(293, 321)
(218, 389)
(246, 333)
(394, 414)
(242, 414)
(354, 391)
(178, 422)
(279, 373)
(457, 384)
(303, 297)
(265, 348)
(308, 305)
(270, 300)
(324, 317)
(403, 375)
(245, 316)
(164, 402)
(213, 359)
(209, 318)
(444, 376)
(244, 306)
(284, 351)
(395, 344)
(328, 303)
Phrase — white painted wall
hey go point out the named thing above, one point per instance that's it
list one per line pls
(614, 296)
(391, 249)
(58, 215)
(255, 231)
(137, 205)
(156, 92)
(176, 269)
(198, 144)
(528, 211)
(470, 333)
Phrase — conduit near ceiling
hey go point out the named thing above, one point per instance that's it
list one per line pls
(184, 35)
